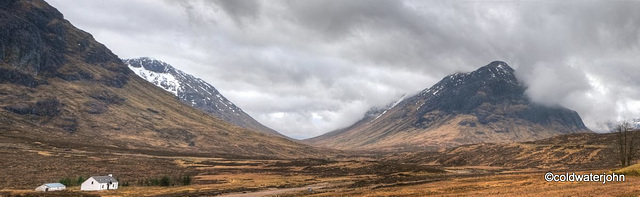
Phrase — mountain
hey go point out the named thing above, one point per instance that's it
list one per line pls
(60, 87)
(486, 105)
(194, 92)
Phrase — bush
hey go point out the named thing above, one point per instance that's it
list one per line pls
(165, 181)
(186, 180)
(79, 180)
(66, 181)
(72, 181)
(153, 182)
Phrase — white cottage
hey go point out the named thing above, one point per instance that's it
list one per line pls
(51, 187)
(99, 183)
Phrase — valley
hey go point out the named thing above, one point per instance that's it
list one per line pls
(499, 170)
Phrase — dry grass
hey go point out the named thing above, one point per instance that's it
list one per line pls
(489, 169)
(633, 170)
(290, 177)
(44, 153)
(26, 169)
(523, 184)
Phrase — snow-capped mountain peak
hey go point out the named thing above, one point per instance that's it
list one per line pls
(192, 91)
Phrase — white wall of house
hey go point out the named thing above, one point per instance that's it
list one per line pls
(90, 185)
(44, 188)
(112, 186)
(93, 185)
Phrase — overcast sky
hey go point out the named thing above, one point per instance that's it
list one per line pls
(311, 66)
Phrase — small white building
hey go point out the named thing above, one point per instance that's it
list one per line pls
(47, 187)
(95, 183)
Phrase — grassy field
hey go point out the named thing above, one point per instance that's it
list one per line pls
(518, 184)
(346, 177)
(357, 177)
(474, 170)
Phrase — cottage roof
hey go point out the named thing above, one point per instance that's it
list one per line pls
(104, 179)
(50, 185)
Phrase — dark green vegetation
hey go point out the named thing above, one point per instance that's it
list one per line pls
(164, 181)
(69, 181)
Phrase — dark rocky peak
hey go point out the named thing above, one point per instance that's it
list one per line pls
(496, 75)
(149, 64)
(498, 66)
(464, 92)
(496, 71)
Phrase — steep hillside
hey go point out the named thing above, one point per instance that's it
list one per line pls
(194, 92)
(487, 105)
(570, 151)
(59, 86)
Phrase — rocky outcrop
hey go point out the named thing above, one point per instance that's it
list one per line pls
(37, 43)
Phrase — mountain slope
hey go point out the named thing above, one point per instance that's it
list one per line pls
(194, 92)
(487, 105)
(59, 86)
(572, 151)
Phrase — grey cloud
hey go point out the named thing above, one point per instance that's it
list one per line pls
(550, 83)
(334, 18)
(240, 9)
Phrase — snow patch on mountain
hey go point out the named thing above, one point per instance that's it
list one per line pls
(376, 110)
(191, 90)
(164, 80)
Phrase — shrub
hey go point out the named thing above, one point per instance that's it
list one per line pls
(165, 181)
(79, 180)
(66, 181)
(186, 180)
